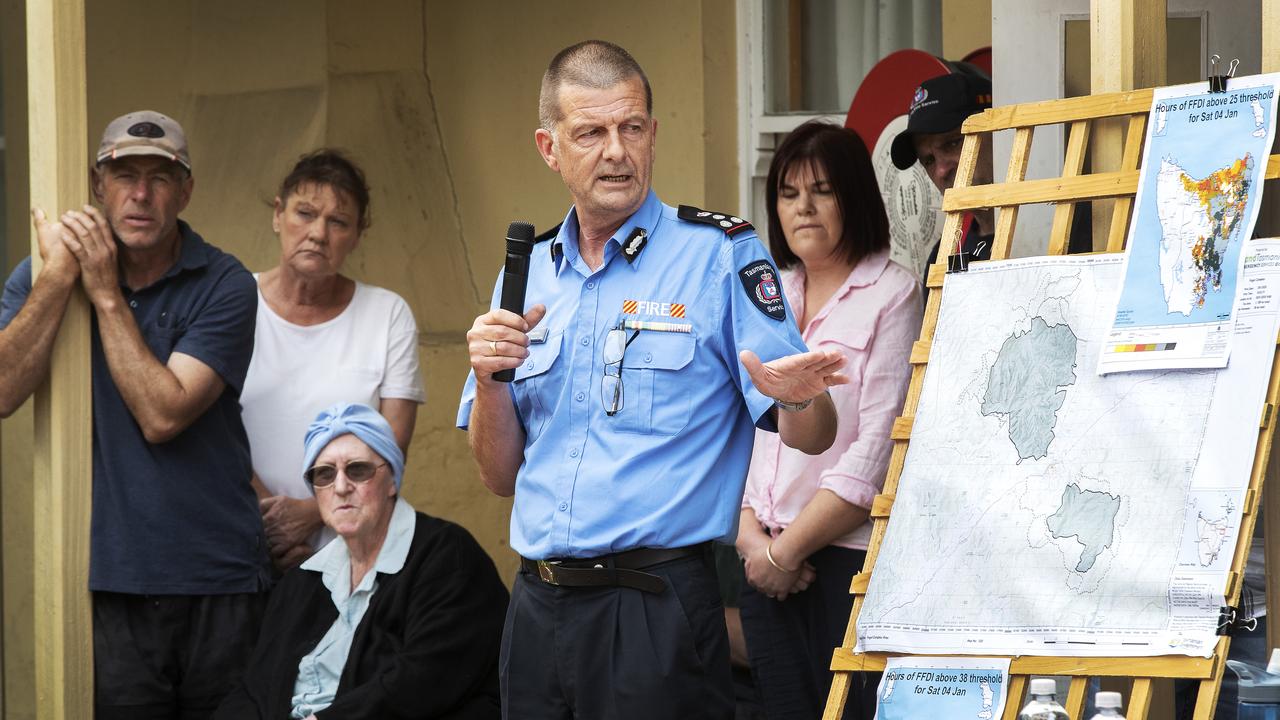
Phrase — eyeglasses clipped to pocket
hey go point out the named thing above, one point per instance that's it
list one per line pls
(642, 388)
(611, 386)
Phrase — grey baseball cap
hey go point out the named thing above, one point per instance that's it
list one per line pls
(145, 132)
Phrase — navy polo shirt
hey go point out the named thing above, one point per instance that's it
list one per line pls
(180, 517)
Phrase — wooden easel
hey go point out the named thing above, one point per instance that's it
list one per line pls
(1065, 191)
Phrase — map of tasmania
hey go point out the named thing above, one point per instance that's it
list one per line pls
(1025, 384)
(1211, 534)
(1210, 530)
(1039, 502)
(1199, 191)
(1088, 516)
(1198, 219)
(988, 697)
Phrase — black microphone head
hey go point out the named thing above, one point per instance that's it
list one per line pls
(520, 237)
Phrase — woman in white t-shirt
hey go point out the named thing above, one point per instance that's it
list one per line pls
(321, 338)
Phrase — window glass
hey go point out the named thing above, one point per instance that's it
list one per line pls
(816, 52)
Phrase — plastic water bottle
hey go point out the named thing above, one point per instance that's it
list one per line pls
(1259, 697)
(1044, 702)
(1108, 704)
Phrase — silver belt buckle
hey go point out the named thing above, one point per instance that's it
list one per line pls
(547, 571)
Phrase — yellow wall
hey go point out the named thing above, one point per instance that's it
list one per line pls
(966, 26)
(438, 101)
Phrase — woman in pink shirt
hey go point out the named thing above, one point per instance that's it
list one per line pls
(804, 525)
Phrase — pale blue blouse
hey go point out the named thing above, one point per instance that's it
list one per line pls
(320, 670)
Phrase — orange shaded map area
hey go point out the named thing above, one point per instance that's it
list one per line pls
(1222, 196)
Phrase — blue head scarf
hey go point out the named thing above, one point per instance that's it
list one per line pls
(362, 421)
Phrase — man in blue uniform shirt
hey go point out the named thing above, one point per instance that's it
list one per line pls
(627, 432)
(177, 555)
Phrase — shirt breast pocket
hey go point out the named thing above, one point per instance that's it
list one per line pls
(359, 383)
(655, 381)
(855, 345)
(533, 386)
(162, 341)
(163, 333)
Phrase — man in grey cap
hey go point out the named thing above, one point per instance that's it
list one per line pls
(177, 557)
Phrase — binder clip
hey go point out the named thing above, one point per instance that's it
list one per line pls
(958, 262)
(1232, 620)
(1218, 83)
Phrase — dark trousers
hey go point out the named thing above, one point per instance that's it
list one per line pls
(790, 642)
(170, 657)
(616, 653)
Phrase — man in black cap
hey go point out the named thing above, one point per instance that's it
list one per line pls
(938, 109)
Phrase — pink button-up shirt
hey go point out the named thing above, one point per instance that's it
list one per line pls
(873, 319)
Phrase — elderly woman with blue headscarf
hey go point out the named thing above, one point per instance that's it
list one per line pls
(399, 617)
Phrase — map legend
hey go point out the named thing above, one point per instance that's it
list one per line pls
(1142, 347)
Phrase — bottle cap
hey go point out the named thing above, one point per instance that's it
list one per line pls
(1273, 666)
(1044, 686)
(1107, 699)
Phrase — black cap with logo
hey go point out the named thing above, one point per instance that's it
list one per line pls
(939, 105)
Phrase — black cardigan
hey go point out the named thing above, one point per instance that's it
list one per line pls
(427, 647)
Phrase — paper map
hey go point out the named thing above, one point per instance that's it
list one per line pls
(1199, 190)
(1047, 510)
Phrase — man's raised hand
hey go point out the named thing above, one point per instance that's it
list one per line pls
(58, 261)
(795, 378)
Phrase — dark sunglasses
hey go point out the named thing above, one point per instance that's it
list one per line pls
(358, 471)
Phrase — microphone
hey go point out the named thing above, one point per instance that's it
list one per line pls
(515, 277)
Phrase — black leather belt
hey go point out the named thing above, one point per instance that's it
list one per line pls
(617, 570)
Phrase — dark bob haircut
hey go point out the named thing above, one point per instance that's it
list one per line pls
(327, 166)
(840, 154)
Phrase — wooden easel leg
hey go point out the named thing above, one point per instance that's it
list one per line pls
(1207, 697)
(1075, 695)
(1271, 520)
(1139, 700)
(837, 697)
(1013, 702)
